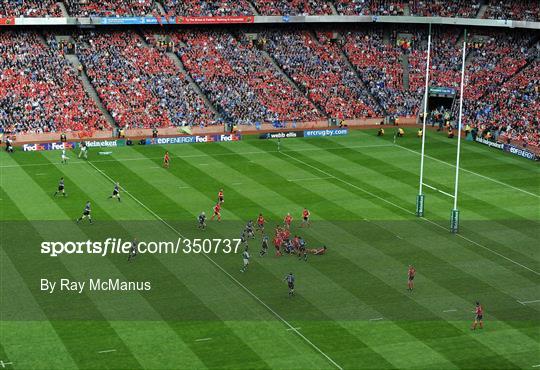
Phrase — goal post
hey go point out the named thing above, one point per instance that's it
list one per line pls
(420, 197)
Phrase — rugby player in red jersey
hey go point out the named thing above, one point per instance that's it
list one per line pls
(305, 217)
(166, 160)
(260, 223)
(277, 244)
(478, 317)
(287, 221)
(220, 196)
(410, 278)
(217, 212)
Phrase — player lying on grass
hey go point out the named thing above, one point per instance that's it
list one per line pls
(317, 251)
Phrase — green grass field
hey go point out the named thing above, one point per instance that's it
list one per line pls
(351, 308)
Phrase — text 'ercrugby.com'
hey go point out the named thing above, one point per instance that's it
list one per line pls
(120, 246)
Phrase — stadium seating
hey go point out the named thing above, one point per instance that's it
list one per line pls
(514, 9)
(317, 66)
(109, 8)
(373, 7)
(29, 8)
(381, 70)
(497, 9)
(445, 8)
(292, 7)
(139, 86)
(39, 89)
(445, 60)
(511, 110)
(207, 8)
(240, 81)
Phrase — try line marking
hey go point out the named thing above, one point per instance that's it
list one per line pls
(203, 339)
(225, 272)
(440, 191)
(260, 152)
(527, 302)
(410, 212)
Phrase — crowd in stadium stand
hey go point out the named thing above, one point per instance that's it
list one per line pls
(445, 8)
(511, 111)
(139, 86)
(496, 9)
(318, 67)
(109, 8)
(373, 7)
(381, 69)
(29, 8)
(240, 80)
(527, 10)
(39, 89)
(207, 8)
(445, 63)
(293, 7)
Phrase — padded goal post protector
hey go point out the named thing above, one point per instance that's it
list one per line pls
(454, 221)
(420, 205)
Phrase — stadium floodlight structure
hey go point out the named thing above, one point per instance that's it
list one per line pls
(454, 216)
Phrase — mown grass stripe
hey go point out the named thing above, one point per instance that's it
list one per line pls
(181, 169)
(68, 331)
(140, 192)
(344, 279)
(169, 300)
(303, 191)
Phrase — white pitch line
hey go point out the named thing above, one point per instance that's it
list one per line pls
(184, 187)
(3, 364)
(471, 172)
(536, 365)
(440, 191)
(298, 328)
(260, 152)
(376, 319)
(203, 339)
(412, 213)
(310, 178)
(527, 302)
(452, 310)
(226, 273)
(41, 174)
(107, 351)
